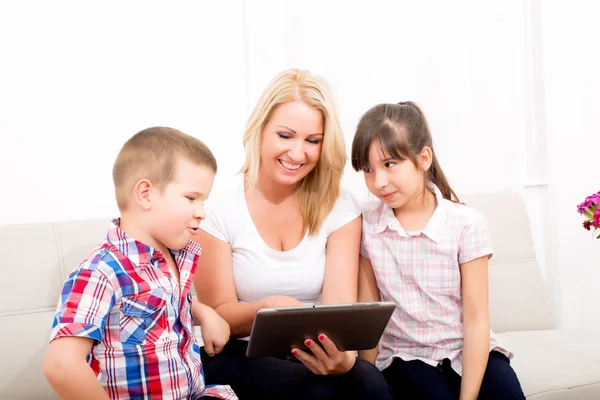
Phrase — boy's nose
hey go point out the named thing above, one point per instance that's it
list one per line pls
(199, 212)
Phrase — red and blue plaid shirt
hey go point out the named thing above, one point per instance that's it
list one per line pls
(125, 298)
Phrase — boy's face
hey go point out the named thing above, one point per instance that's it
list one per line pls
(179, 208)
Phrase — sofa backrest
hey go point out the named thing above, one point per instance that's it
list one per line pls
(519, 299)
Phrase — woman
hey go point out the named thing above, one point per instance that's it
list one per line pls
(284, 234)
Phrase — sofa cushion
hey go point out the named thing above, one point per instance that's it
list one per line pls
(556, 364)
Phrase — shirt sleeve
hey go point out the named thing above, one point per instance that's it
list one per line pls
(475, 240)
(346, 209)
(84, 305)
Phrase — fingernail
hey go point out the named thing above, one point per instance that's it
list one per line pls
(321, 337)
(308, 342)
(294, 352)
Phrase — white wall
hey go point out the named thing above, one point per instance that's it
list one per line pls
(572, 87)
(508, 88)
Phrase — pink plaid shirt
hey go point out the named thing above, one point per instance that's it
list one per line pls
(419, 271)
(125, 298)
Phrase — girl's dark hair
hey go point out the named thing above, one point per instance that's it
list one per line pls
(402, 131)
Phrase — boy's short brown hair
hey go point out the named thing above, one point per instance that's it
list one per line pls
(151, 154)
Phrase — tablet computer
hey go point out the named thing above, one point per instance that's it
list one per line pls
(355, 326)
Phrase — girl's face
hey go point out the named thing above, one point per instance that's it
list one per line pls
(291, 143)
(395, 182)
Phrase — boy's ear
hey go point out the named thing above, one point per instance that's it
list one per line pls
(142, 194)
(425, 158)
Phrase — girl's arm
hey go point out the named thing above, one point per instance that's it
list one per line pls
(367, 292)
(215, 287)
(474, 276)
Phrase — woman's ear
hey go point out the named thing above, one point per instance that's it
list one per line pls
(142, 194)
(425, 158)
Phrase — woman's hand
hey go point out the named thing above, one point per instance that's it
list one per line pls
(326, 358)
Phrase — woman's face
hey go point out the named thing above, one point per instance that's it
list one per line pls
(291, 142)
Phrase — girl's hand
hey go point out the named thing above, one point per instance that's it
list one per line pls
(327, 359)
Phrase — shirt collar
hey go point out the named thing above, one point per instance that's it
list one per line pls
(141, 255)
(435, 225)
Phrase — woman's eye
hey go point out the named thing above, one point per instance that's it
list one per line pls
(313, 141)
(283, 135)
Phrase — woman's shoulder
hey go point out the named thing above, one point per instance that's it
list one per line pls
(345, 209)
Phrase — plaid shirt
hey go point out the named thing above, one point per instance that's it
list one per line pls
(420, 272)
(125, 298)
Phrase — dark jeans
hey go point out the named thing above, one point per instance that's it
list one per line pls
(281, 378)
(417, 380)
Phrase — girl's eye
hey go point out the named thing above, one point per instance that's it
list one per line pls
(283, 135)
(190, 198)
(367, 170)
(389, 164)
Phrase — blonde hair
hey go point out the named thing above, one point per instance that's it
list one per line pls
(151, 154)
(319, 190)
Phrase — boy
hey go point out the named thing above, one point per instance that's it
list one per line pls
(124, 323)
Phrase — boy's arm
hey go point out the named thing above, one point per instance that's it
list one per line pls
(215, 330)
(367, 292)
(68, 372)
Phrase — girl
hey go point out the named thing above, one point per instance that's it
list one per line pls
(429, 254)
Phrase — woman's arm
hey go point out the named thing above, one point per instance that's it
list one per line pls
(474, 276)
(341, 267)
(367, 292)
(215, 287)
(339, 286)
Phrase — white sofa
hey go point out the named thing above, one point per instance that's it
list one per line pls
(551, 364)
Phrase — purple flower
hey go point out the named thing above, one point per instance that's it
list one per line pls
(592, 200)
(597, 218)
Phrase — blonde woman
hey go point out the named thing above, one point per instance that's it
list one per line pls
(283, 233)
